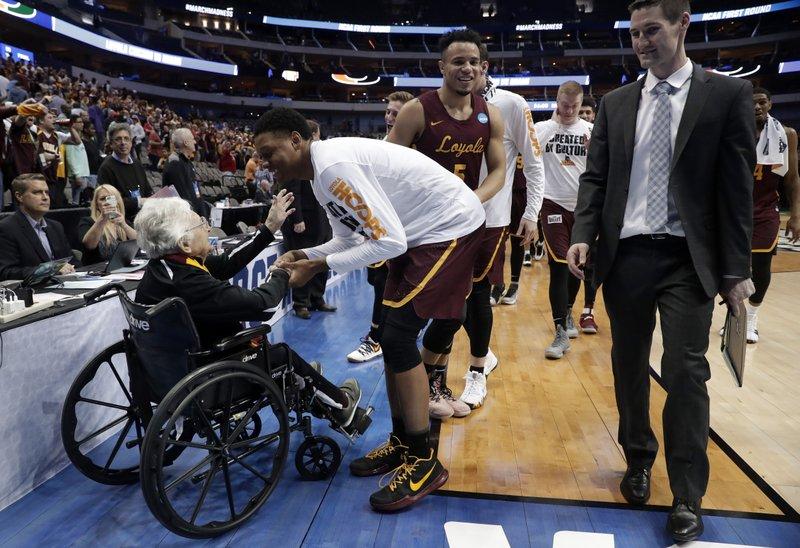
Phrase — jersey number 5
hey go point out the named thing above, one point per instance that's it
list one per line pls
(758, 174)
(459, 170)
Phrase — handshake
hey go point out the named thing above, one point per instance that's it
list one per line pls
(299, 267)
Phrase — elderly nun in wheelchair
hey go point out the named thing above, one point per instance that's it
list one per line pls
(175, 239)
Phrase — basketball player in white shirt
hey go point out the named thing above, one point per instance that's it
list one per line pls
(384, 202)
(565, 139)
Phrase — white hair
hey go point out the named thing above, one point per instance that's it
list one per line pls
(161, 224)
(180, 137)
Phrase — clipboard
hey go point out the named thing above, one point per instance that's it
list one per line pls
(734, 342)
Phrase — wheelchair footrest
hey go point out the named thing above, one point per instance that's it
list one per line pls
(360, 423)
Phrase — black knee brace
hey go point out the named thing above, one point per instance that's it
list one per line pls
(399, 339)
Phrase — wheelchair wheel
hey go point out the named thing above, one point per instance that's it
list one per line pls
(227, 473)
(318, 458)
(99, 402)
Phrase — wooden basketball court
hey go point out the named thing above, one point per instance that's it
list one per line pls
(548, 428)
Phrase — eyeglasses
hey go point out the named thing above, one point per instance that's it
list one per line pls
(203, 223)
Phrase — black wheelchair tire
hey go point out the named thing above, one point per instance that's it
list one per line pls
(174, 405)
(69, 423)
(317, 458)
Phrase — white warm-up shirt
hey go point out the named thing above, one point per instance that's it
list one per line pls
(564, 159)
(382, 199)
(519, 137)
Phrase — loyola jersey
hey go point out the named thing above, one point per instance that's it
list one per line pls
(564, 159)
(765, 192)
(456, 145)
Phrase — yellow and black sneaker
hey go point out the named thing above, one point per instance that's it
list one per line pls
(412, 480)
(380, 460)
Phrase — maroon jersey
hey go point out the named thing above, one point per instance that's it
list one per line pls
(520, 183)
(457, 145)
(49, 145)
(765, 192)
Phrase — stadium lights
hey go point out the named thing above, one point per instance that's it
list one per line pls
(738, 72)
(788, 66)
(290, 75)
(350, 81)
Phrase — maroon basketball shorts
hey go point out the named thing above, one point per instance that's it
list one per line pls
(435, 278)
(557, 228)
(765, 233)
(491, 256)
(519, 201)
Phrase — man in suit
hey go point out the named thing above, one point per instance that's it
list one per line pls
(668, 190)
(26, 238)
(179, 171)
(307, 227)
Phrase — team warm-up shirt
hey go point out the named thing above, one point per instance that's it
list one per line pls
(564, 159)
(519, 138)
(382, 199)
(456, 145)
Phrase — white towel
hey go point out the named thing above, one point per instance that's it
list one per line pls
(772, 148)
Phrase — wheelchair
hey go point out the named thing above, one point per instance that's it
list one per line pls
(204, 431)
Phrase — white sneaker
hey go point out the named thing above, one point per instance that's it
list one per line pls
(474, 390)
(511, 295)
(526, 259)
(367, 350)
(559, 346)
(538, 251)
(490, 364)
(572, 331)
(752, 328)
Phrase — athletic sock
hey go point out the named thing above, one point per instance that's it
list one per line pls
(752, 309)
(478, 368)
(418, 444)
(560, 321)
(587, 311)
(399, 428)
(373, 332)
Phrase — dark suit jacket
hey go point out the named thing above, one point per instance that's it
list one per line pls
(306, 210)
(179, 172)
(711, 179)
(20, 249)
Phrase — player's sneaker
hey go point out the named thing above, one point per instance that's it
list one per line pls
(367, 350)
(380, 460)
(412, 480)
(559, 346)
(474, 389)
(438, 407)
(490, 364)
(460, 409)
(538, 251)
(497, 294)
(587, 323)
(572, 331)
(752, 328)
(526, 259)
(511, 295)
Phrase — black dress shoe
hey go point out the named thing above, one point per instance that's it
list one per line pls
(684, 522)
(302, 312)
(324, 307)
(635, 485)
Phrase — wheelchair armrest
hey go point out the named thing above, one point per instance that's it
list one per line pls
(241, 337)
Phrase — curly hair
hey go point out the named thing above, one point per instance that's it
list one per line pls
(459, 35)
(283, 120)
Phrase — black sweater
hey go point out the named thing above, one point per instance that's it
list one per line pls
(127, 178)
(217, 307)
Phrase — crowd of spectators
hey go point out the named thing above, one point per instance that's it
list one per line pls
(76, 112)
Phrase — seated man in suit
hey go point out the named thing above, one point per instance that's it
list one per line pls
(26, 238)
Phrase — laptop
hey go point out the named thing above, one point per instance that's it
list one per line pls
(122, 258)
(44, 272)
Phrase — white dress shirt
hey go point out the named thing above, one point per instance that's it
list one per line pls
(636, 208)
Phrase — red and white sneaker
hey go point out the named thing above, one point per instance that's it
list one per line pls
(588, 324)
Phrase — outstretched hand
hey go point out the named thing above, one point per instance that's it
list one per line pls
(280, 210)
